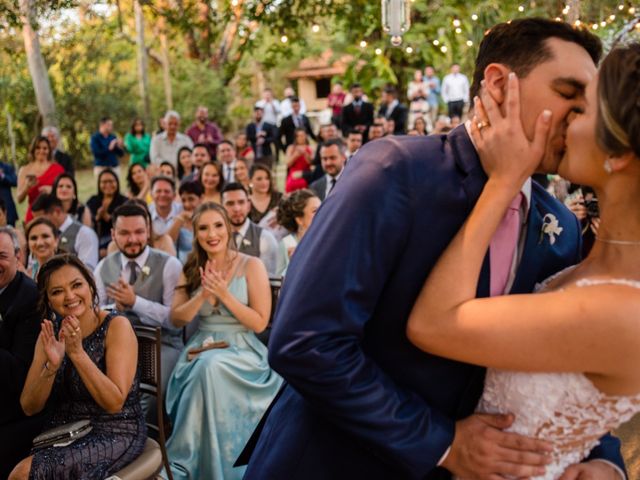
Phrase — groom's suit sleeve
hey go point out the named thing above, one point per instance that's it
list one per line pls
(333, 285)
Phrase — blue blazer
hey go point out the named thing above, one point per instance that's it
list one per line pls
(361, 401)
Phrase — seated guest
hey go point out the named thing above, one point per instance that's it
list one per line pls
(42, 240)
(376, 131)
(65, 189)
(75, 237)
(216, 400)
(185, 163)
(19, 331)
(103, 204)
(139, 281)
(420, 126)
(264, 198)
(164, 243)
(85, 367)
(4, 222)
(332, 158)
(164, 208)
(249, 237)
(354, 142)
(212, 182)
(295, 213)
(200, 157)
(299, 158)
(168, 170)
(181, 231)
(243, 149)
(139, 183)
(8, 180)
(241, 173)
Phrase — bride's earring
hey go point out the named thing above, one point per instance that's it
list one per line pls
(607, 167)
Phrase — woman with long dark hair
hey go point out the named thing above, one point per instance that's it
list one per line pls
(264, 197)
(103, 204)
(42, 243)
(138, 143)
(139, 183)
(65, 189)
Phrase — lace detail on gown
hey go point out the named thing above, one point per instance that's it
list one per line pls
(564, 408)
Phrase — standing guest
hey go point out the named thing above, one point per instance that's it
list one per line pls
(8, 179)
(392, 109)
(216, 397)
(270, 106)
(335, 102)
(182, 229)
(139, 183)
(418, 93)
(357, 115)
(53, 135)
(264, 198)
(38, 175)
(241, 174)
(262, 135)
(139, 281)
(249, 237)
(293, 122)
(455, 91)
(138, 143)
(420, 126)
(227, 158)
(354, 142)
(333, 158)
(75, 238)
(204, 131)
(433, 97)
(164, 208)
(65, 189)
(85, 367)
(42, 241)
(243, 149)
(168, 170)
(165, 145)
(212, 182)
(106, 148)
(295, 213)
(286, 105)
(19, 331)
(185, 163)
(102, 206)
(299, 159)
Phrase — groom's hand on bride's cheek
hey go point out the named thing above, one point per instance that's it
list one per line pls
(593, 470)
(482, 450)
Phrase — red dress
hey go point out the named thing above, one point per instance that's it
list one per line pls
(44, 180)
(300, 164)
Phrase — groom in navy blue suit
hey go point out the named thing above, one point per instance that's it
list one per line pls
(361, 401)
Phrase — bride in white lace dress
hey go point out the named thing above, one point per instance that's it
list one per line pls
(583, 324)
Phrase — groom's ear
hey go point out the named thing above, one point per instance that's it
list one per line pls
(495, 81)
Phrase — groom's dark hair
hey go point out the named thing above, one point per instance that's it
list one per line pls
(521, 45)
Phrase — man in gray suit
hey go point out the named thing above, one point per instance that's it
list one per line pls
(333, 156)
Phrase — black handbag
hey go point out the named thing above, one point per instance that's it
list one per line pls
(62, 435)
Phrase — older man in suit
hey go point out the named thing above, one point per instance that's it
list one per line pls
(19, 330)
(333, 156)
(361, 400)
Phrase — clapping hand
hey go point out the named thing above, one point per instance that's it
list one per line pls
(72, 334)
(122, 293)
(53, 348)
(214, 283)
(505, 151)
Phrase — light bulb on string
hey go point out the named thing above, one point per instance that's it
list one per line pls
(363, 44)
(474, 17)
(396, 40)
(315, 28)
(409, 50)
(521, 9)
(436, 42)
(378, 51)
(469, 43)
(443, 49)
(456, 22)
(458, 30)
(284, 39)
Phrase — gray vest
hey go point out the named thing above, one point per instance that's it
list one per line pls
(251, 241)
(150, 287)
(68, 238)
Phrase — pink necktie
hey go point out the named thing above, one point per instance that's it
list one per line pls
(503, 247)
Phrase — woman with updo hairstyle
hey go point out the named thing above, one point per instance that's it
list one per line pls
(85, 368)
(42, 243)
(295, 213)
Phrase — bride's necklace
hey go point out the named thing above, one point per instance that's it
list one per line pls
(618, 242)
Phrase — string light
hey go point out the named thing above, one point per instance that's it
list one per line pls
(284, 39)
(594, 26)
(632, 11)
(469, 43)
(363, 44)
(409, 50)
(612, 17)
(474, 17)
(436, 43)
(315, 28)
(443, 49)
(378, 51)
(458, 30)
(577, 23)
(603, 24)
(456, 22)
(521, 8)
(620, 7)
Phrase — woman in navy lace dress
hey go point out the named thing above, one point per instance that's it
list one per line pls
(85, 368)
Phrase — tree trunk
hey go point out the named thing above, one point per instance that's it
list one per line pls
(143, 63)
(37, 67)
(164, 55)
(574, 11)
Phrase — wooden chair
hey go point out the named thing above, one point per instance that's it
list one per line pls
(276, 285)
(149, 370)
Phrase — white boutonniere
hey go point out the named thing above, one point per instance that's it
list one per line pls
(551, 227)
(64, 240)
(146, 270)
(246, 242)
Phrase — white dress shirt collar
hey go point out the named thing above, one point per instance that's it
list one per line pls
(68, 221)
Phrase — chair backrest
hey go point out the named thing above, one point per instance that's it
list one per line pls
(149, 345)
(276, 285)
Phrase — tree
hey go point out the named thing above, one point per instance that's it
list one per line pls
(143, 63)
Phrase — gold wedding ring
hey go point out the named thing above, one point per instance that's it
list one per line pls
(482, 125)
(73, 334)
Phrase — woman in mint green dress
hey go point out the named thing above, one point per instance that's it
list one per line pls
(138, 143)
(216, 396)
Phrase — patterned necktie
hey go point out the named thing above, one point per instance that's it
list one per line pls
(503, 247)
(133, 275)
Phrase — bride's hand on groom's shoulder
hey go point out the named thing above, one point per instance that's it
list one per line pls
(481, 450)
(504, 148)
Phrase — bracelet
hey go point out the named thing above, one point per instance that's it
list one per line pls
(46, 367)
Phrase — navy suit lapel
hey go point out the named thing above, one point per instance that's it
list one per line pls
(534, 251)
